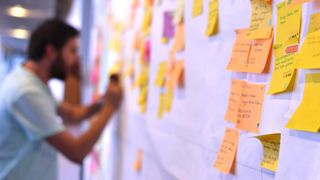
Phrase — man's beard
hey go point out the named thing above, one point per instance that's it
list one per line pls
(58, 69)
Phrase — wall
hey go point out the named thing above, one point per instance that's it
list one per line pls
(183, 145)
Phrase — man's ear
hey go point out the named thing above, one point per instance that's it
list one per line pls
(50, 52)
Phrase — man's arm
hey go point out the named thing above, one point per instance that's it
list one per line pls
(74, 114)
(76, 149)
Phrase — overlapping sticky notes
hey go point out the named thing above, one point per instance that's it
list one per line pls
(294, 2)
(213, 18)
(168, 26)
(261, 20)
(240, 51)
(228, 149)
(178, 17)
(147, 19)
(234, 100)
(250, 55)
(179, 38)
(197, 8)
(161, 75)
(260, 55)
(250, 107)
(271, 147)
(288, 23)
(137, 166)
(309, 54)
(283, 74)
(306, 117)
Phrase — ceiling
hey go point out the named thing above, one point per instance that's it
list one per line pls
(39, 11)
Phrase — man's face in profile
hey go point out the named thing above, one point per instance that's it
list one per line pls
(66, 60)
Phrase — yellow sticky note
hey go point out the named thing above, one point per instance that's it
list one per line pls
(227, 152)
(143, 95)
(288, 22)
(161, 75)
(143, 77)
(197, 8)
(283, 74)
(234, 100)
(250, 107)
(306, 117)
(146, 22)
(261, 20)
(309, 54)
(169, 99)
(271, 147)
(240, 51)
(137, 166)
(213, 18)
(162, 105)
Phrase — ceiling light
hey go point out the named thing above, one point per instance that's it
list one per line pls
(19, 33)
(18, 11)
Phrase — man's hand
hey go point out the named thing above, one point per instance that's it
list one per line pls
(113, 95)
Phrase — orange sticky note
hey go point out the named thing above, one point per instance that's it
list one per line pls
(259, 55)
(179, 38)
(294, 2)
(178, 74)
(250, 55)
(240, 51)
(137, 166)
(227, 152)
(234, 100)
(250, 107)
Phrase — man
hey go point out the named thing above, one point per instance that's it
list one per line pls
(30, 135)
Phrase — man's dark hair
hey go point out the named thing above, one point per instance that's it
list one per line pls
(53, 32)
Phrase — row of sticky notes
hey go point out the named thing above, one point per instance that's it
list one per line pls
(213, 15)
(225, 159)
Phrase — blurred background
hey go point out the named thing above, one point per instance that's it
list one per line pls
(17, 20)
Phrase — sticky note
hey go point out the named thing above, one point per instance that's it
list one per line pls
(162, 105)
(306, 117)
(146, 22)
(137, 166)
(197, 8)
(178, 17)
(169, 99)
(213, 18)
(288, 22)
(259, 56)
(294, 2)
(143, 77)
(234, 100)
(261, 20)
(227, 151)
(176, 74)
(271, 147)
(309, 53)
(283, 75)
(161, 75)
(240, 51)
(136, 41)
(250, 107)
(179, 38)
(168, 26)
(142, 98)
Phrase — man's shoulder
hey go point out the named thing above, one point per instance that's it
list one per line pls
(16, 84)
